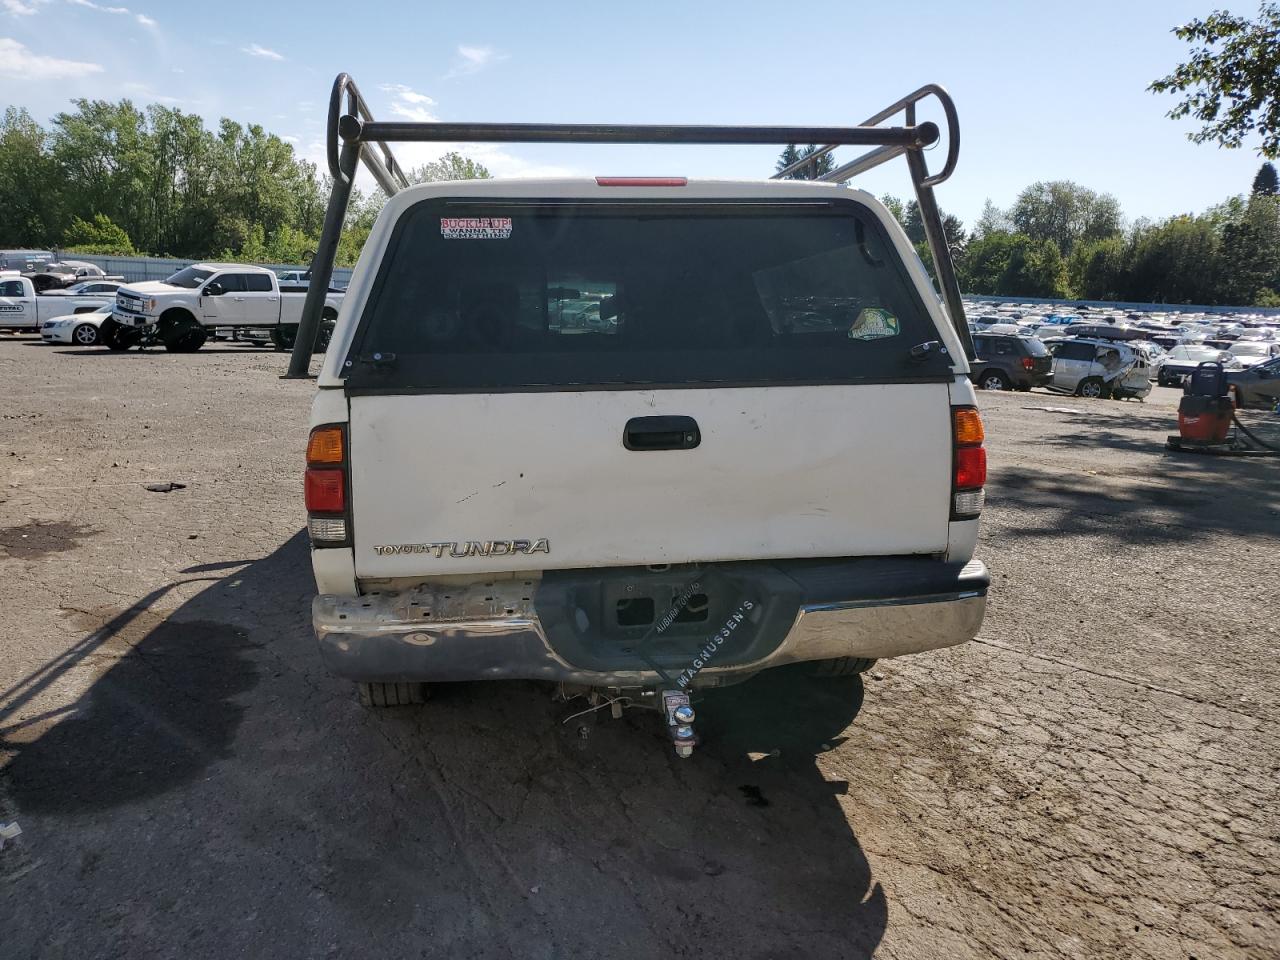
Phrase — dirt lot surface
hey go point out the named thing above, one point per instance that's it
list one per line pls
(1097, 776)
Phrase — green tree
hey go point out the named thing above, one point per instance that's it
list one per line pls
(1095, 270)
(992, 220)
(811, 171)
(1231, 83)
(31, 183)
(895, 206)
(1266, 182)
(1065, 213)
(452, 166)
(1035, 269)
(1250, 261)
(952, 228)
(985, 260)
(105, 155)
(1175, 261)
(99, 236)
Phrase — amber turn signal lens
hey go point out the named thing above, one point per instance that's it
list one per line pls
(967, 426)
(325, 445)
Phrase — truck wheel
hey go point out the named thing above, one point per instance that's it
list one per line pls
(188, 342)
(325, 333)
(86, 335)
(284, 335)
(391, 694)
(117, 337)
(993, 380)
(842, 667)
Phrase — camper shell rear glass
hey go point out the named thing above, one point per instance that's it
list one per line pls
(510, 295)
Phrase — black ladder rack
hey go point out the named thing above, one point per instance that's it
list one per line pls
(354, 137)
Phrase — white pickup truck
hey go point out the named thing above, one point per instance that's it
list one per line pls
(22, 309)
(640, 436)
(180, 312)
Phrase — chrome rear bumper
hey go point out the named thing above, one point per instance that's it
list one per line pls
(493, 630)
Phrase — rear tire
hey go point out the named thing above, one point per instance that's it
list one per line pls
(842, 667)
(993, 380)
(285, 335)
(391, 694)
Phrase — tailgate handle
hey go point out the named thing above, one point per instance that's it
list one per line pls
(661, 433)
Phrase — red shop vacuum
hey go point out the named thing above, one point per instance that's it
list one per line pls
(1205, 414)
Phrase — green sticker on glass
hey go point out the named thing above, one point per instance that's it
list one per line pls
(874, 323)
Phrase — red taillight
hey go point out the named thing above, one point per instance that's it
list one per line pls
(1028, 363)
(971, 468)
(325, 490)
(969, 463)
(642, 181)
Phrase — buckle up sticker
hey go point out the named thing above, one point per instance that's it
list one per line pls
(475, 228)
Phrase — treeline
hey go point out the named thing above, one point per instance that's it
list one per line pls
(1061, 240)
(111, 178)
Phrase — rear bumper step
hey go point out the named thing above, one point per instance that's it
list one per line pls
(561, 628)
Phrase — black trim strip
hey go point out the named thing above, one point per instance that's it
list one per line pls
(366, 390)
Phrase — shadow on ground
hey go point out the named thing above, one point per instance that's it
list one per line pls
(1161, 496)
(478, 824)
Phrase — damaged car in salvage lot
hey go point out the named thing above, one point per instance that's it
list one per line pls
(764, 450)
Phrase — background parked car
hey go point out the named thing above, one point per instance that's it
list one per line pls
(1010, 362)
(1183, 359)
(80, 329)
(88, 287)
(1252, 352)
(1257, 386)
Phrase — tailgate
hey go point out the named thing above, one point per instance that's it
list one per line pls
(826, 471)
(506, 344)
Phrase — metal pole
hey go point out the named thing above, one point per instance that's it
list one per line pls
(322, 265)
(396, 131)
(942, 262)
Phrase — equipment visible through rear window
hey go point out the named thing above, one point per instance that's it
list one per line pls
(605, 294)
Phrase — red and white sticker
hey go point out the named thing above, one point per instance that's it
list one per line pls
(475, 228)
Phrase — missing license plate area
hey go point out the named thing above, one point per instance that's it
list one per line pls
(640, 611)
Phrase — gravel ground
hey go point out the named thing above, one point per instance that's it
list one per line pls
(1096, 776)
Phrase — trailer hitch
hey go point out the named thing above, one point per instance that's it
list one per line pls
(680, 716)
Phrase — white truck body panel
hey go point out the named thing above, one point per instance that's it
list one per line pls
(781, 472)
(26, 310)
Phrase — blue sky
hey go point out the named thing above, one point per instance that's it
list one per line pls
(1044, 91)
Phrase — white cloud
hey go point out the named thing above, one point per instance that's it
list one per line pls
(142, 18)
(255, 50)
(473, 59)
(288, 139)
(99, 7)
(22, 8)
(409, 103)
(17, 61)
